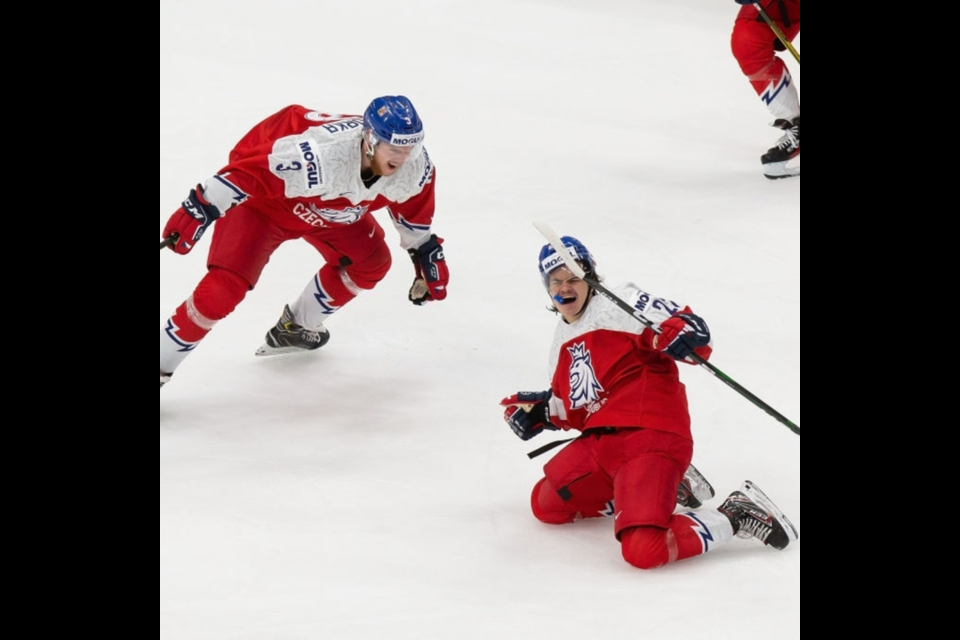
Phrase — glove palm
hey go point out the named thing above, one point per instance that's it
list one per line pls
(432, 273)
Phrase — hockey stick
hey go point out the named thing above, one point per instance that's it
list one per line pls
(169, 241)
(780, 36)
(575, 269)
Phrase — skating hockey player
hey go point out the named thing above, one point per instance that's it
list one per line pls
(304, 174)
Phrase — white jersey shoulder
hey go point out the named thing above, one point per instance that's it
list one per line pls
(324, 162)
(604, 314)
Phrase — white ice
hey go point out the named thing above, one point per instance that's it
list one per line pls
(372, 490)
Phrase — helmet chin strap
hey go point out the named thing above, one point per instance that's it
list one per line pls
(371, 141)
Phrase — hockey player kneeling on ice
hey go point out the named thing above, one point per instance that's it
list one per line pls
(304, 174)
(616, 381)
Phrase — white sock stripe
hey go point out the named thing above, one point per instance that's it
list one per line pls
(198, 318)
(348, 283)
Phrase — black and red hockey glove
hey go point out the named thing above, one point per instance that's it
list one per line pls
(528, 413)
(682, 334)
(432, 273)
(190, 221)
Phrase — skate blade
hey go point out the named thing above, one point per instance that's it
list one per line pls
(702, 488)
(777, 170)
(267, 350)
(754, 493)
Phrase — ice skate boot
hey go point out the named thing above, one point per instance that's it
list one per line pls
(754, 515)
(788, 147)
(164, 378)
(289, 337)
(694, 489)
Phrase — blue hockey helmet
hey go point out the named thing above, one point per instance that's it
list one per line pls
(392, 119)
(550, 261)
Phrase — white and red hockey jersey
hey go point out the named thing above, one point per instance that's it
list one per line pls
(606, 372)
(302, 168)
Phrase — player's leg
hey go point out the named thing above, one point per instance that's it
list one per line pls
(752, 44)
(645, 493)
(747, 513)
(686, 535)
(356, 259)
(573, 487)
(240, 247)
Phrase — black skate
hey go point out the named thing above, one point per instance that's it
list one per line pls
(788, 148)
(694, 489)
(754, 515)
(164, 378)
(289, 337)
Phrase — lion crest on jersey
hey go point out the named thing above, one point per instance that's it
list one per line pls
(584, 387)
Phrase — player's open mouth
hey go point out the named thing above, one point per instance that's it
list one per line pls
(568, 300)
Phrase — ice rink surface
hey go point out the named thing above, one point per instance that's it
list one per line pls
(371, 490)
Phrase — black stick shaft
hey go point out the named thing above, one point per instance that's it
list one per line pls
(169, 240)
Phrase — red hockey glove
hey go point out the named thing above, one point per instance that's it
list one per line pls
(189, 222)
(528, 413)
(432, 273)
(681, 334)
